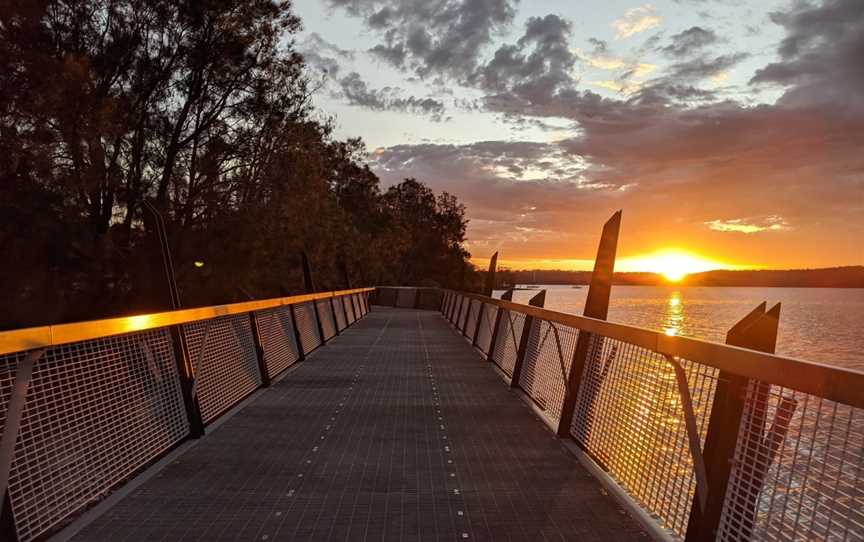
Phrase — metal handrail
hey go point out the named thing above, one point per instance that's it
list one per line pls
(20, 340)
(838, 384)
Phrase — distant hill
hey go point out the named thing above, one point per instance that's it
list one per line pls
(831, 277)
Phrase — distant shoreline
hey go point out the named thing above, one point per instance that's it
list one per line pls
(834, 277)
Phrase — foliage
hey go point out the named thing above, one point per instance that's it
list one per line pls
(202, 107)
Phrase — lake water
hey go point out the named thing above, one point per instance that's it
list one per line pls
(817, 324)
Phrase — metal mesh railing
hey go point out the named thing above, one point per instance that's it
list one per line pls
(222, 351)
(487, 325)
(325, 316)
(629, 417)
(471, 319)
(546, 368)
(507, 340)
(355, 299)
(456, 310)
(103, 402)
(339, 309)
(278, 339)
(452, 309)
(642, 407)
(349, 310)
(307, 326)
(95, 412)
(797, 470)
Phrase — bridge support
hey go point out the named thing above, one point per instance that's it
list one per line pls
(596, 306)
(309, 284)
(537, 301)
(508, 296)
(756, 331)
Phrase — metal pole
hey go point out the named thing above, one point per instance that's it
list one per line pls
(333, 312)
(14, 415)
(756, 331)
(259, 351)
(538, 300)
(167, 261)
(186, 373)
(596, 306)
(507, 296)
(309, 284)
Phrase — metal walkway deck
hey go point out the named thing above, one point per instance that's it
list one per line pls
(396, 430)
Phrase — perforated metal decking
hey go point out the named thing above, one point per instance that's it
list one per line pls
(397, 431)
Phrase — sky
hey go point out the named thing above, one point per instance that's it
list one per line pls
(730, 133)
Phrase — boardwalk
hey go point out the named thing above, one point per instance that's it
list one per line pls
(396, 430)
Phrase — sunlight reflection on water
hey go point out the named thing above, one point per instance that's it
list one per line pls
(817, 324)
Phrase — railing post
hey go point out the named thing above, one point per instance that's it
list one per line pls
(346, 300)
(756, 331)
(596, 306)
(508, 296)
(455, 308)
(301, 356)
(309, 284)
(345, 310)
(259, 351)
(480, 314)
(186, 372)
(465, 331)
(537, 301)
(333, 313)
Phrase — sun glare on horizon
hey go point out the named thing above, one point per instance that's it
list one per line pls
(672, 264)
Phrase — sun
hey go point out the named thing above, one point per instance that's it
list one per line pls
(672, 264)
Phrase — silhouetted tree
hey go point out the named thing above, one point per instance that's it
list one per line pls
(202, 106)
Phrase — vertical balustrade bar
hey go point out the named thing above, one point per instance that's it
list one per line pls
(332, 301)
(537, 301)
(756, 331)
(345, 311)
(596, 306)
(259, 351)
(301, 356)
(186, 373)
(480, 312)
(499, 313)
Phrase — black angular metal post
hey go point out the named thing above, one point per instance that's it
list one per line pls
(596, 306)
(259, 351)
(756, 331)
(186, 372)
(309, 284)
(332, 302)
(538, 300)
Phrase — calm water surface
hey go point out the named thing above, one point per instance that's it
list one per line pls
(817, 324)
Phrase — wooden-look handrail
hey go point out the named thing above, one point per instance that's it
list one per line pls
(45, 336)
(838, 384)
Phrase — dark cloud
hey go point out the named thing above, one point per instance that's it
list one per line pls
(822, 55)
(674, 154)
(356, 92)
(324, 55)
(689, 41)
(704, 66)
(433, 37)
(540, 62)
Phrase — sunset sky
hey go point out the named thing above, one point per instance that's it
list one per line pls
(731, 135)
